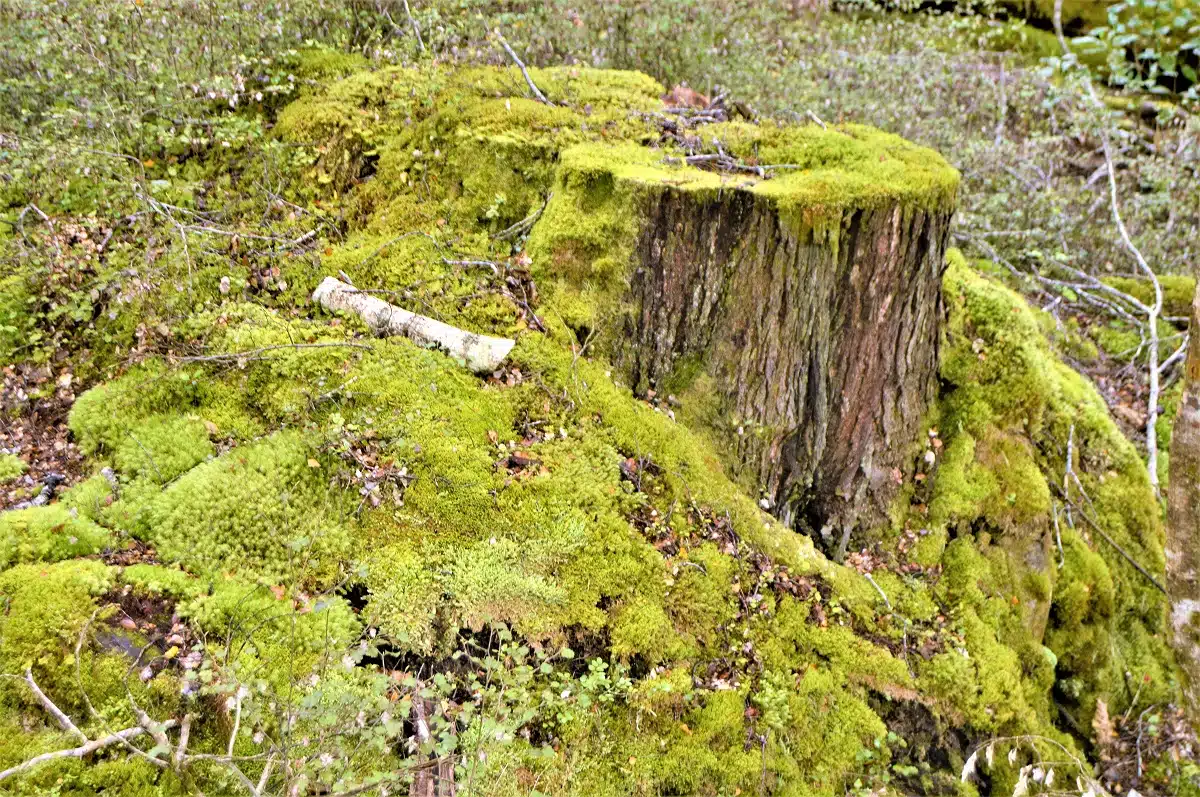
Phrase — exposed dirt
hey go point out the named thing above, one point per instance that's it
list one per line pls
(34, 403)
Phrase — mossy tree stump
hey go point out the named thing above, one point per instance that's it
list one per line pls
(789, 298)
(799, 315)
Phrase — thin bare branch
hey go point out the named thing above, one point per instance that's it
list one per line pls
(75, 752)
(521, 65)
(415, 27)
(185, 732)
(255, 354)
(1154, 311)
(55, 711)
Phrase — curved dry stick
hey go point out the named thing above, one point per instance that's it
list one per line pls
(78, 752)
(54, 710)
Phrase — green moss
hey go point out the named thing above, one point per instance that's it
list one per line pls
(1010, 410)
(1177, 292)
(701, 599)
(89, 498)
(552, 501)
(995, 477)
(641, 626)
(103, 418)
(325, 62)
(17, 302)
(271, 622)
(162, 448)
(46, 607)
(160, 580)
(405, 597)
(11, 466)
(261, 506)
(70, 777)
(47, 534)
(1116, 339)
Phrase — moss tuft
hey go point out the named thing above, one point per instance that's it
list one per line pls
(261, 506)
(11, 466)
(162, 448)
(47, 534)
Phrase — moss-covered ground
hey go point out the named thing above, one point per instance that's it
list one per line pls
(284, 487)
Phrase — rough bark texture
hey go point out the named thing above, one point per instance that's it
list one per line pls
(823, 345)
(1183, 526)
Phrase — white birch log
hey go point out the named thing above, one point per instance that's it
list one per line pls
(480, 353)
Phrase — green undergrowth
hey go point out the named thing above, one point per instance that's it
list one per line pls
(561, 506)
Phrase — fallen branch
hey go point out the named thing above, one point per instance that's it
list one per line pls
(81, 751)
(480, 353)
(521, 65)
(1154, 310)
(716, 162)
(1066, 497)
(524, 224)
(89, 746)
(63, 720)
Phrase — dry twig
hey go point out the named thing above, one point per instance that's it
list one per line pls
(521, 65)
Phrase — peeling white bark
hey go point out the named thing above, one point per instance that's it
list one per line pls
(480, 353)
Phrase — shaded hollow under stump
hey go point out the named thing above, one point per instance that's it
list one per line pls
(793, 314)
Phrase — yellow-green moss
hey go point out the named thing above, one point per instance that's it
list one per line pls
(89, 498)
(47, 534)
(46, 607)
(325, 62)
(261, 506)
(11, 466)
(162, 448)
(1008, 389)
(1177, 292)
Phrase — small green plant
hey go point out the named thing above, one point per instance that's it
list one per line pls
(1146, 46)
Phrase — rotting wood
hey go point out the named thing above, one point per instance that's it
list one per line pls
(480, 353)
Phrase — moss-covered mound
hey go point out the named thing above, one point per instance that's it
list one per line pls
(1062, 539)
(562, 579)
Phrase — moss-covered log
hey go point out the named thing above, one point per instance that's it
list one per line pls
(1183, 527)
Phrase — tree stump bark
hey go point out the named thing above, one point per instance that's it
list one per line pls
(814, 321)
(1183, 526)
